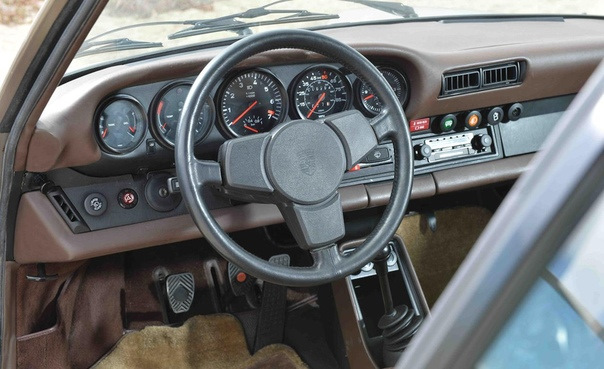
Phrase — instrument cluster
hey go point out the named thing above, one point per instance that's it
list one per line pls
(246, 102)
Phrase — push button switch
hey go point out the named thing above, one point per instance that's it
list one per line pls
(473, 119)
(448, 122)
(495, 116)
(95, 204)
(127, 198)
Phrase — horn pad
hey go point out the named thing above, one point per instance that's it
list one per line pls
(305, 161)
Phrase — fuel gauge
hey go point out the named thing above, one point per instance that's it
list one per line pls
(121, 124)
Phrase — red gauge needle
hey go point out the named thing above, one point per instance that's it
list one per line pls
(104, 133)
(250, 128)
(133, 130)
(316, 104)
(369, 97)
(244, 112)
(164, 126)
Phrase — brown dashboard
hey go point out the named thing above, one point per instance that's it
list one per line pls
(553, 59)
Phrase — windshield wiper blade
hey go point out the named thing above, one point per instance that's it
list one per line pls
(115, 44)
(230, 22)
(391, 7)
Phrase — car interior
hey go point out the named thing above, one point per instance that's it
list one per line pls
(255, 204)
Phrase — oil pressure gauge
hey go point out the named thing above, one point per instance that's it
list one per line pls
(166, 114)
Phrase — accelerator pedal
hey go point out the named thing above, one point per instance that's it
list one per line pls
(271, 317)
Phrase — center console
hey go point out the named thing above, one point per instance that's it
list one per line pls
(362, 291)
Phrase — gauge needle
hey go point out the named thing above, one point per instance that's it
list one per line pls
(133, 130)
(369, 97)
(244, 112)
(316, 104)
(250, 128)
(104, 133)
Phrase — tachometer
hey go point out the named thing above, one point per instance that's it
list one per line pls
(121, 124)
(320, 91)
(251, 102)
(166, 114)
(395, 79)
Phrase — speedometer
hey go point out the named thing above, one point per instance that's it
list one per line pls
(321, 91)
(251, 102)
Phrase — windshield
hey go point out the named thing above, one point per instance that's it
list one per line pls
(137, 27)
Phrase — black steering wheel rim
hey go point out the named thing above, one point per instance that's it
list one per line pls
(329, 265)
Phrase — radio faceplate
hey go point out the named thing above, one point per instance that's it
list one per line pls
(432, 151)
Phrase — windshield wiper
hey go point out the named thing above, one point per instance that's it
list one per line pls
(391, 7)
(230, 22)
(116, 44)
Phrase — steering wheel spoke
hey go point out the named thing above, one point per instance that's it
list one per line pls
(206, 172)
(314, 226)
(327, 258)
(242, 163)
(384, 125)
(356, 134)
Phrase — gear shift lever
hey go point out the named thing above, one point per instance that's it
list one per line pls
(398, 324)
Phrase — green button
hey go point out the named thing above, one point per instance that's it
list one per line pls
(448, 122)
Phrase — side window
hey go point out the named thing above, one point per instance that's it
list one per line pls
(560, 322)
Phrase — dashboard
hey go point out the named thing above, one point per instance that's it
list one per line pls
(480, 100)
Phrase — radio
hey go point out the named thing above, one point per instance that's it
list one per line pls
(436, 149)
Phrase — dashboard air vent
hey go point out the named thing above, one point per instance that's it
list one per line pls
(500, 75)
(61, 202)
(482, 78)
(463, 81)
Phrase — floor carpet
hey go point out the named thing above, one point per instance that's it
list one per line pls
(437, 255)
(203, 342)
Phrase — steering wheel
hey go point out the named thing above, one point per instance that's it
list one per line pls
(298, 165)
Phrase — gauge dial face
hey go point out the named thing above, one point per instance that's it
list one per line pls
(395, 79)
(167, 115)
(251, 102)
(121, 125)
(320, 91)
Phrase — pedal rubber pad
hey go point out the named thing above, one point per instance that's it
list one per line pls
(240, 281)
(271, 317)
(180, 290)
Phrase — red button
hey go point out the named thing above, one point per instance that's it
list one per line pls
(241, 277)
(127, 198)
(419, 125)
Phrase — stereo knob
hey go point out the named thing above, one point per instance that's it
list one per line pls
(482, 142)
(422, 151)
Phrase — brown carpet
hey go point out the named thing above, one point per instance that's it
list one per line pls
(203, 342)
(437, 255)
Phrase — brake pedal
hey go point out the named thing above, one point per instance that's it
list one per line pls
(180, 291)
